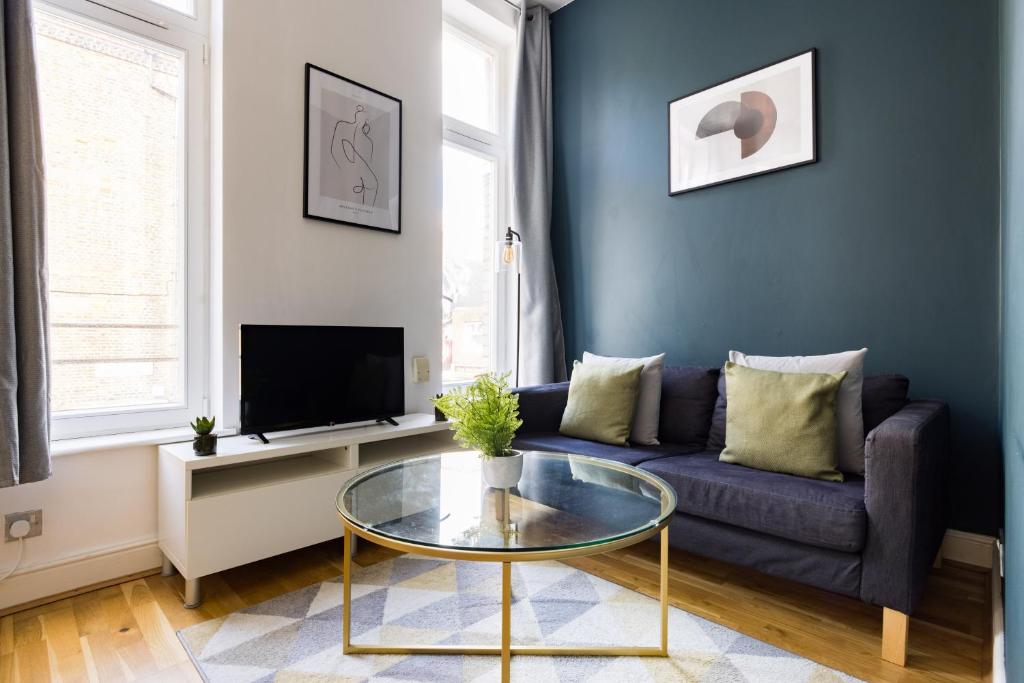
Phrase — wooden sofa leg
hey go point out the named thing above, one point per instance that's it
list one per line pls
(895, 629)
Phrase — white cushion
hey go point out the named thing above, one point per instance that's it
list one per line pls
(849, 411)
(648, 397)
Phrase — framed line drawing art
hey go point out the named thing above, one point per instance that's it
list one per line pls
(752, 124)
(353, 153)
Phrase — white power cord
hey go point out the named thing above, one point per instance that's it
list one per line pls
(19, 530)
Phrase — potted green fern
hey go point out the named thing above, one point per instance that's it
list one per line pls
(485, 417)
(205, 441)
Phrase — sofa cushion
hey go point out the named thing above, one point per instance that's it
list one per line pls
(560, 443)
(832, 570)
(602, 401)
(687, 400)
(849, 404)
(716, 432)
(824, 514)
(541, 406)
(884, 396)
(648, 398)
(783, 421)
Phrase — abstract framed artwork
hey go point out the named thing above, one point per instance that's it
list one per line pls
(755, 123)
(353, 155)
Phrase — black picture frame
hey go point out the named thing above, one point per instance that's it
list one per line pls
(307, 211)
(813, 52)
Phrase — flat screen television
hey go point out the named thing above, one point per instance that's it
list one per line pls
(298, 376)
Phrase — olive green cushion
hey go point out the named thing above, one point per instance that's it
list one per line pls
(782, 421)
(601, 402)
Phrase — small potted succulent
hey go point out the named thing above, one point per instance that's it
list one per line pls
(205, 441)
(485, 417)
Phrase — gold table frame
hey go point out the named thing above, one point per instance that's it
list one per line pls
(506, 558)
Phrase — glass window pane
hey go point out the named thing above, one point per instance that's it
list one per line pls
(112, 133)
(470, 187)
(469, 82)
(183, 6)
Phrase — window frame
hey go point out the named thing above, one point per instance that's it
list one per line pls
(492, 145)
(182, 33)
(142, 11)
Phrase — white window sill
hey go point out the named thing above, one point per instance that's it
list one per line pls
(109, 442)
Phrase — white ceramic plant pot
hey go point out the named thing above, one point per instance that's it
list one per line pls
(504, 472)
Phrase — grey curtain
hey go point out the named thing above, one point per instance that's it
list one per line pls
(24, 369)
(542, 348)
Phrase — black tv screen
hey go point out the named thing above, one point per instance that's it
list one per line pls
(296, 376)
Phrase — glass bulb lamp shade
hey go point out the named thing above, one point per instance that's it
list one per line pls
(510, 253)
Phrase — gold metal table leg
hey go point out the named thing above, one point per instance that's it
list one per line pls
(506, 650)
(346, 608)
(506, 622)
(663, 592)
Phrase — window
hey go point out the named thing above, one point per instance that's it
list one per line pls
(183, 6)
(474, 313)
(122, 127)
(470, 207)
(470, 81)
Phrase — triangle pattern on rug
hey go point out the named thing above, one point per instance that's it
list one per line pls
(401, 601)
(367, 612)
(724, 670)
(419, 600)
(772, 669)
(235, 674)
(294, 605)
(404, 568)
(331, 662)
(330, 595)
(270, 650)
(440, 668)
(575, 587)
(439, 579)
(240, 628)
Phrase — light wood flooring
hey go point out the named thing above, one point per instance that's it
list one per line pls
(126, 631)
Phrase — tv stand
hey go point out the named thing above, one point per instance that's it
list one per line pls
(259, 435)
(255, 500)
(390, 420)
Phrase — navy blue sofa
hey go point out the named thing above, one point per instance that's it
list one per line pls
(873, 537)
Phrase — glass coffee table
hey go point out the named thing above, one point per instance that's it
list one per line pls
(563, 506)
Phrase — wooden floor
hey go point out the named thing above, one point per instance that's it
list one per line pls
(126, 632)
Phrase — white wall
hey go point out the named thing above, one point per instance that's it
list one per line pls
(99, 509)
(99, 522)
(281, 268)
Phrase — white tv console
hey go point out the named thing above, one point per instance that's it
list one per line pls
(253, 500)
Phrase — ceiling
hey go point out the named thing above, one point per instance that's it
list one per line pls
(554, 4)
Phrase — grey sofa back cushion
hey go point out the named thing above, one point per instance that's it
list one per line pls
(716, 434)
(883, 395)
(687, 400)
(542, 406)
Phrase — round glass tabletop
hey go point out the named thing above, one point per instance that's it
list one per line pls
(561, 502)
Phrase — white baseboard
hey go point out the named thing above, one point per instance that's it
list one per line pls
(973, 549)
(77, 571)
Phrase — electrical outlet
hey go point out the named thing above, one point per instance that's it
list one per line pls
(34, 519)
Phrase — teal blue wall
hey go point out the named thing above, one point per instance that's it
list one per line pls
(1013, 328)
(890, 241)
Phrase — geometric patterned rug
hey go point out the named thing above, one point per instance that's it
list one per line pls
(415, 599)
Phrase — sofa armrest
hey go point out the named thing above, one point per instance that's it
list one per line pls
(541, 406)
(905, 468)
